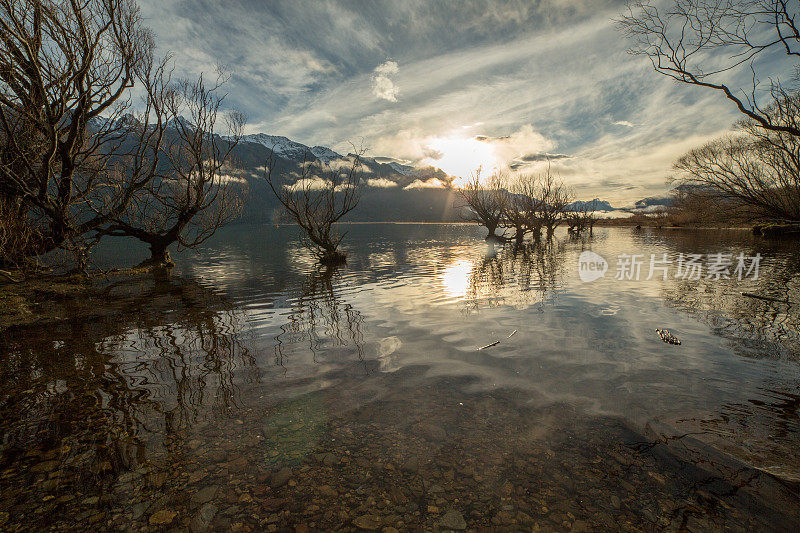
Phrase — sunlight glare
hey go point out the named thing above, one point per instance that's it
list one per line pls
(456, 278)
(462, 156)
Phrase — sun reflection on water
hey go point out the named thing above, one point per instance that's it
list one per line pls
(456, 278)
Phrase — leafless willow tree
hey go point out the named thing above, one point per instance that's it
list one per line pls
(581, 217)
(485, 202)
(192, 191)
(517, 217)
(66, 70)
(549, 199)
(705, 42)
(319, 197)
(522, 208)
(754, 172)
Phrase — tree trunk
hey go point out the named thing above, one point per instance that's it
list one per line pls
(520, 235)
(159, 254)
(492, 232)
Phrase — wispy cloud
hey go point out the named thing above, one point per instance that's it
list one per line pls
(382, 85)
(381, 183)
(314, 183)
(432, 183)
(530, 78)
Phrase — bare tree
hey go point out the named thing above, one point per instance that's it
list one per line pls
(192, 192)
(66, 70)
(515, 216)
(528, 204)
(704, 43)
(754, 172)
(552, 198)
(485, 203)
(319, 197)
(581, 216)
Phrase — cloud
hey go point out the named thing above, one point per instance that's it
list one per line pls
(381, 183)
(432, 183)
(473, 69)
(311, 184)
(382, 86)
(227, 178)
(541, 156)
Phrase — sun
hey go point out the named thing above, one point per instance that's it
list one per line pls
(462, 156)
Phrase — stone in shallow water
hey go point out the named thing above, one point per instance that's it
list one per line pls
(281, 477)
(452, 519)
(204, 495)
(162, 517)
(368, 522)
(202, 520)
(330, 459)
(410, 465)
(327, 490)
(139, 509)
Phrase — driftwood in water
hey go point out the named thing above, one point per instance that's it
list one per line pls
(495, 343)
(766, 298)
(9, 277)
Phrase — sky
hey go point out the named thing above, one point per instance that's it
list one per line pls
(457, 85)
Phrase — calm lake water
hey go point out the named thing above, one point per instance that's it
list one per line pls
(252, 391)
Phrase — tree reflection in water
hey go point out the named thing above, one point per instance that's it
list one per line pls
(521, 277)
(170, 351)
(753, 327)
(320, 318)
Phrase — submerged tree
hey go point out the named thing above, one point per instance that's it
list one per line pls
(525, 205)
(321, 195)
(66, 70)
(700, 42)
(485, 202)
(551, 197)
(191, 193)
(515, 216)
(581, 217)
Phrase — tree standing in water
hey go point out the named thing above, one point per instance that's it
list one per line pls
(321, 195)
(485, 203)
(192, 193)
(66, 74)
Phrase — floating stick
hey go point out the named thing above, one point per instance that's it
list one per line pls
(766, 298)
(495, 343)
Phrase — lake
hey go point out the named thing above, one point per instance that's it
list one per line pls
(434, 382)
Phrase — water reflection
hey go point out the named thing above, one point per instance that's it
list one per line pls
(754, 327)
(85, 400)
(272, 395)
(519, 277)
(320, 320)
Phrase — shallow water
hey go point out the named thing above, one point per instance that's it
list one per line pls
(252, 391)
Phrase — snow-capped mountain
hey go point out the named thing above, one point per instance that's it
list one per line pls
(324, 154)
(405, 170)
(176, 122)
(289, 149)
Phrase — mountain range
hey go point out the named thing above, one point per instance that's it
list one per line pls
(394, 191)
